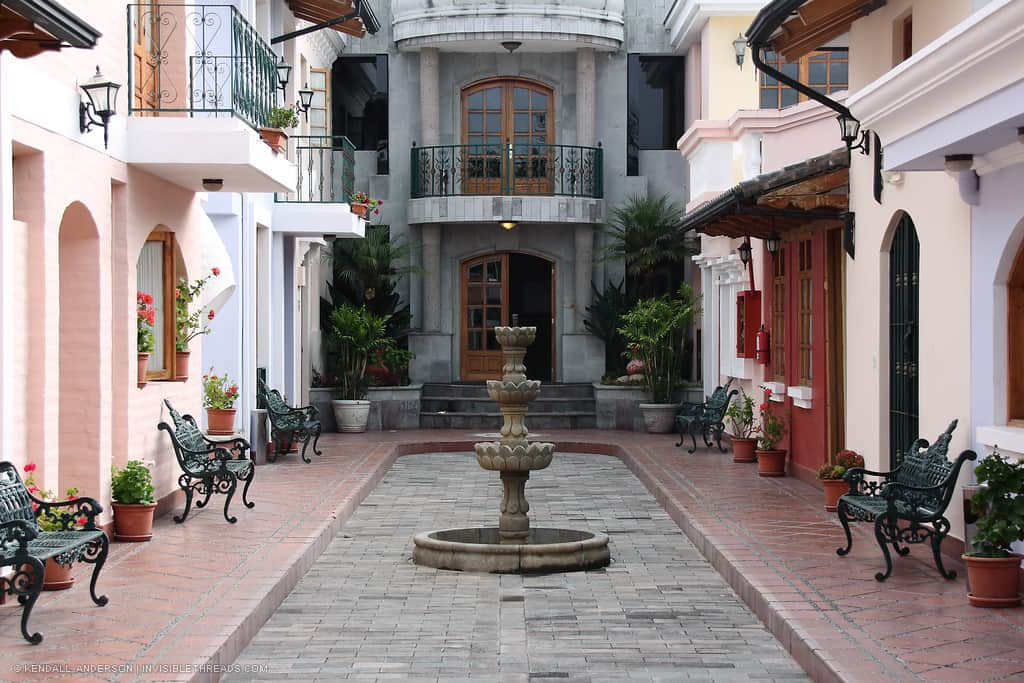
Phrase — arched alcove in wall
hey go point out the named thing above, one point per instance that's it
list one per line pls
(80, 349)
(158, 267)
(1015, 340)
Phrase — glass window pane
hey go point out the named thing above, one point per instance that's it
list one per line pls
(317, 117)
(494, 123)
(493, 144)
(150, 279)
(494, 271)
(521, 98)
(476, 123)
(769, 98)
(318, 80)
(521, 123)
(493, 317)
(767, 80)
(476, 341)
(319, 99)
(493, 167)
(838, 75)
(475, 317)
(476, 296)
(789, 97)
(476, 142)
(540, 122)
(476, 273)
(476, 100)
(492, 341)
(791, 70)
(539, 100)
(494, 296)
(816, 72)
(493, 98)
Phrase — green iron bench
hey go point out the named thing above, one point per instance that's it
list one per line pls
(289, 424)
(208, 466)
(917, 492)
(706, 419)
(25, 546)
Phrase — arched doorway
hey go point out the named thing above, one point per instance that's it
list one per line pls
(904, 309)
(79, 359)
(1015, 342)
(494, 288)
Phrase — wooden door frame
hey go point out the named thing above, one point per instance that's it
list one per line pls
(506, 316)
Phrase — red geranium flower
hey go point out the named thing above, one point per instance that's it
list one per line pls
(210, 314)
(30, 467)
(216, 271)
(83, 520)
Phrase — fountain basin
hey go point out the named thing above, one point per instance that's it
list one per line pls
(496, 456)
(480, 550)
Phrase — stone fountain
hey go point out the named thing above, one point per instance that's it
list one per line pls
(513, 546)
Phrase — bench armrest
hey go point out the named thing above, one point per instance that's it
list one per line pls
(305, 414)
(861, 486)
(17, 531)
(687, 409)
(79, 507)
(912, 494)
(227, 449)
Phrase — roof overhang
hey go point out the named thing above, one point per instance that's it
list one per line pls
(362, 19)
(795, 27)
(29, 27)
(810, 196)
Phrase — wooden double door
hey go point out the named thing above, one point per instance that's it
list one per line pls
(495, 288)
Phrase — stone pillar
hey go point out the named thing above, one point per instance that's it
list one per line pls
(430, 117)
(431, 236)
(584, 234)
(586, 97)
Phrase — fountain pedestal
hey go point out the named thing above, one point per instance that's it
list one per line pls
(513, 546)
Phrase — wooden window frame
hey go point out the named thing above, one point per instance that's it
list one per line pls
(803, 75)
(805, 315)
(327, 98)
(779, 292)
(166, 237)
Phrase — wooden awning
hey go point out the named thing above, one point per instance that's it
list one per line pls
(319, 11)
(806, 197)
(795, 27)
(29, 27)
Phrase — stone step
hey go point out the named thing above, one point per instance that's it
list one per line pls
(539, 405)
(479, 390)
(492, 421)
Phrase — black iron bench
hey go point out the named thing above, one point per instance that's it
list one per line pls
(917, 492)
(706, 419)
(25, 546)
(289, 424)
(208, 466)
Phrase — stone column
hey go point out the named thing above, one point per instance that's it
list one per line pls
(586, 97)
(584, 234)
(430, 117)
(431, 236)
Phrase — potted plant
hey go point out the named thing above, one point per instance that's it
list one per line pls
(56, 575)
(273, 133)
(145, 318)
(188, 324)
(831, 476)
(771, 461)
(993, 569)
(656, 327)
(219, 396)
(132, 494)
(357, 334)
(741, 418)
(362, 203)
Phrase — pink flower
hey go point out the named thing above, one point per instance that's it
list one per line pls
(30, 467)
(148, 298)
(210, 314)
(216, 271)
(83, 520)
(33, 489)
(764, 406)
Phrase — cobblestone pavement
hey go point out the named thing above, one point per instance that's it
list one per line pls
(659, 612)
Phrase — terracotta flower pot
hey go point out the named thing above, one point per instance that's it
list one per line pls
(140, 378)
(57, 577)
(994, 581)
(276, 139)
(220, 421)
(833, 489)
(133, 522)
(181, 365)
(743, 450)
(360, 209)
(771, 463)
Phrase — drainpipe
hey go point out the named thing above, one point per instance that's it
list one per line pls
(756, 48)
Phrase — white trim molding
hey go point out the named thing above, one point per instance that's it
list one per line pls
(961, 88)
(778, 390)
(1005, 439)
(686, 19)
(802, 396)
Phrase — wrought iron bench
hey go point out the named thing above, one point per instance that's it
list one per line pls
(289, 424)
(25, 546)
(706, 419)
(917, 492)
(208, 466)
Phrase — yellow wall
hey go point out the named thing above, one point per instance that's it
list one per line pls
(729, 88)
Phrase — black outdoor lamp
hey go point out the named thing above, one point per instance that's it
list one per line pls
(744, 251)
(284, 72)
(102, 95)
(740, 47)
(850, 130)
(305, 101)
(772, 243)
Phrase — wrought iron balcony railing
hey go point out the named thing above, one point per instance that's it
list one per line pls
(508, 169)
(326, 169)
(198, 60)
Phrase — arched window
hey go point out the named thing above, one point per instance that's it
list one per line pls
(158, 264)
(1015, 342)
(507, 127)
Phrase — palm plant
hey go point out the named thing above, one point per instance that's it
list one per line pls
(603, 318)
(358, 334)
(647, 233)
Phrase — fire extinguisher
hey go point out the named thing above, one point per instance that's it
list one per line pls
(762, 346)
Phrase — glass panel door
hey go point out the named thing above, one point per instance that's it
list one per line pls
(484, 134)
(485, 306)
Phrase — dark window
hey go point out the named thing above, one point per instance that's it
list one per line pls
(359, 85)
(655, 117)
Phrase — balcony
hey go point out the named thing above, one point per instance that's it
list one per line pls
(537, 183)
(326, 178)
(201, 82)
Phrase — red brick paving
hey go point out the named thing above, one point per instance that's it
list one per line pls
(199, 591)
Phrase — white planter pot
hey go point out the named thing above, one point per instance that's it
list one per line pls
(351, 416)
(659, 418)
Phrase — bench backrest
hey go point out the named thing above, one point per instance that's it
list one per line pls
(14, 500)
(718, 402)
(272, 397)
(926, 465)
(186, 434)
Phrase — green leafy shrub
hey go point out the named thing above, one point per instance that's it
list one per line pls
(1000, 504)
(741, 415)
(282, 117)
(132, 485)
(358, 334)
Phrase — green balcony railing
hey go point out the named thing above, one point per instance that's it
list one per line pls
(507, 169)
(198, 60)
(326, 169)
